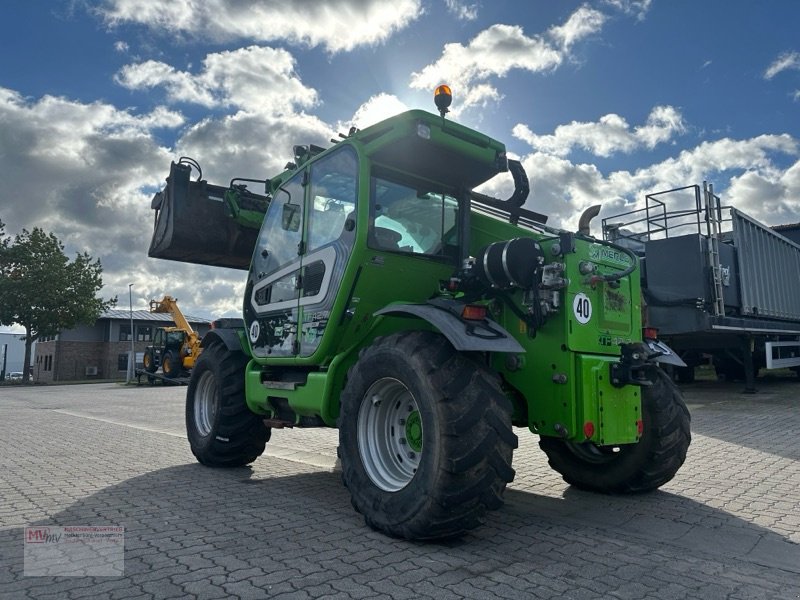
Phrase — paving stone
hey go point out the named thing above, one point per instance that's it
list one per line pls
(727, 526)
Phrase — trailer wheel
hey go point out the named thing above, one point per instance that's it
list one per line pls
(222, 430)
(149, 361)
(639, 467)
(425, 438)
(170, 364)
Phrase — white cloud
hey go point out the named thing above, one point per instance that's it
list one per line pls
(466, 11)
(638, 8)
(374, 110)
(257, 79)
(749, 174)
(253, 145)
(609, 135)
(493, 52)
(502, 48)
(784, 62)
(582, 23)
(180, 86)
(337, 25)
(82, 168)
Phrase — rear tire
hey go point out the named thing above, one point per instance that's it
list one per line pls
(639, 467)
(149, 362)
(425, 438)
(222, 430)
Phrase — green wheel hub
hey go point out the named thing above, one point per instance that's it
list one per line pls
(414, 431)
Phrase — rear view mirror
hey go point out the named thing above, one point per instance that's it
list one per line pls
(290, 220)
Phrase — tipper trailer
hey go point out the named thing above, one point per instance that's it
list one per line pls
(716, 282)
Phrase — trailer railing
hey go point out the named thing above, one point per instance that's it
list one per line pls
(703, 215)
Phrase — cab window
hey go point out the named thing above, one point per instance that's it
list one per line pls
(413, 218)
(333, 197)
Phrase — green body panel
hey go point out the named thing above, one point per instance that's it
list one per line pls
(381, 279)
(304, 400)
(557, 386)
(552, 388)
(615, 413)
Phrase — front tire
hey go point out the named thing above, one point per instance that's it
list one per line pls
(425, 438)
(640, 467)
(222, 430)
(170, 364)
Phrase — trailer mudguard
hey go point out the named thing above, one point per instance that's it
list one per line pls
(466, 336)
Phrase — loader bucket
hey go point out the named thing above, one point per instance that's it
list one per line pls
(193, 224)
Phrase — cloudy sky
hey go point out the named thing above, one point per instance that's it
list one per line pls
(603, 100)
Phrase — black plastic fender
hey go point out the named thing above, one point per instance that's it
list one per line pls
(228, 337)
(465, 336)
(662, 353)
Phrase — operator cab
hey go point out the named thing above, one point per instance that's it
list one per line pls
(396, 195)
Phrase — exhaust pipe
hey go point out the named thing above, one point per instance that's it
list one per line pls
(586, 218)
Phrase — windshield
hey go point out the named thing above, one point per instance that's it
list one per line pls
(175, 337)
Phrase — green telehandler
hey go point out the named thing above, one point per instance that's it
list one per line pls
(425, 321)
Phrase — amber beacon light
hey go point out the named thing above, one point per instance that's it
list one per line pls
(443, 97)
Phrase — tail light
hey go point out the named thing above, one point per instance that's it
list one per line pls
(474, 312)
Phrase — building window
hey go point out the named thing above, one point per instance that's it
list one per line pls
(122, 362)
(124, 332)
(144, 333)
(47, 338)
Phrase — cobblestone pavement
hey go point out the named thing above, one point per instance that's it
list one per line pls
(728, 526)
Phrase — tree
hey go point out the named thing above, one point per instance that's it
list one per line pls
(42, 290)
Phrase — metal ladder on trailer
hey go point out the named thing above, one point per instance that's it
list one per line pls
(713, 221)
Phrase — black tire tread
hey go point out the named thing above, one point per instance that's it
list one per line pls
(244, 431)
(151, 366)
(476, 441)
(171, 364)
(650, 463)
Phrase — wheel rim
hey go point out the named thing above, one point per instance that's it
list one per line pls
(205, 403)
(389, 434)
(147, 361)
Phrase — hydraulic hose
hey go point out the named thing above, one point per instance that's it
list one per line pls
(613, 276)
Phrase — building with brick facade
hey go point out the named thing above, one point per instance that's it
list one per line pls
(100, 351)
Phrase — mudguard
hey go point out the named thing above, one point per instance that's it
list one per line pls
(663, 354)
(466, 336)
(229, 337)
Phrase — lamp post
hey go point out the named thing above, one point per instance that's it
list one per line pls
(132, 361)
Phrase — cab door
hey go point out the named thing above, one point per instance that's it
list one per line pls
(300, 257)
